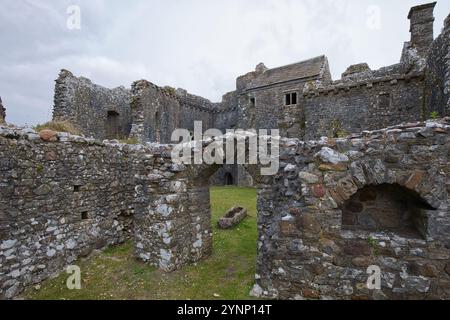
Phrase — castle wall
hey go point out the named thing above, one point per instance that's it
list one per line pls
(269, 111)
(352, 107)
(438, 74)
(63, 196)
(173, 215)
(261, 94)
(58, 201)
(195, 108)
(264, 113)
(157, 112)
(226, 115)
(147, 113)
(86, 105)
(309, 248)
(363, 99)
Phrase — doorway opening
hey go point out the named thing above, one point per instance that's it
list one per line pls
(112, 125)
(229, 181)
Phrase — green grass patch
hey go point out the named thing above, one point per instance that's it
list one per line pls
(129, 141)
(227, 274)
(59, 126)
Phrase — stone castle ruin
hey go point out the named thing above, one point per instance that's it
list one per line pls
(374, 192)
(300, 99)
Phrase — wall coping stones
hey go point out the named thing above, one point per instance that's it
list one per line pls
(183, 97)
(339, 87)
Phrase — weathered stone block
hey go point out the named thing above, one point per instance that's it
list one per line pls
(333, 167)
(287, 228)
(358, 249)
(232, 218)
(415, 179)
(48, 135)
(318, 191)
(447, 268)
(308, 177)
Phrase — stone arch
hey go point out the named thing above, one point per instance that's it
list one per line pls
(228, 179)
(200, 174)
(386, 207)
(426, 186)
(224, 176)
(232, 175)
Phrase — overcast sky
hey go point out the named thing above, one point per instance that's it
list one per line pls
(199, 45)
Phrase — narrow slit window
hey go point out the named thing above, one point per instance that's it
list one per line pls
(252, 102)
(288, 99)
(294, 98)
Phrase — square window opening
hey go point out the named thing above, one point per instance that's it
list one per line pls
(291, 98)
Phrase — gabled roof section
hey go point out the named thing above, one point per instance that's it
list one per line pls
(307, 69)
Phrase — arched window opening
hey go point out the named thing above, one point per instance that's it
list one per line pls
(386, 207)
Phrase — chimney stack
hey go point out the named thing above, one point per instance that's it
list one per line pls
(422, 19)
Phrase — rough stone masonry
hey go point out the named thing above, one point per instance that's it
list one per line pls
(63, 196)
(335, 207)
(338, 204)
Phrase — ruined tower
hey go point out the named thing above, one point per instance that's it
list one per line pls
(2, 112)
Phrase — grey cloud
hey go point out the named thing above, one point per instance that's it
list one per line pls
(200, 45)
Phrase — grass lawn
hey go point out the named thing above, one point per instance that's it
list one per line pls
(227, 274)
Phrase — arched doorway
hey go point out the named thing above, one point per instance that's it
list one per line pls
(229, 181)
